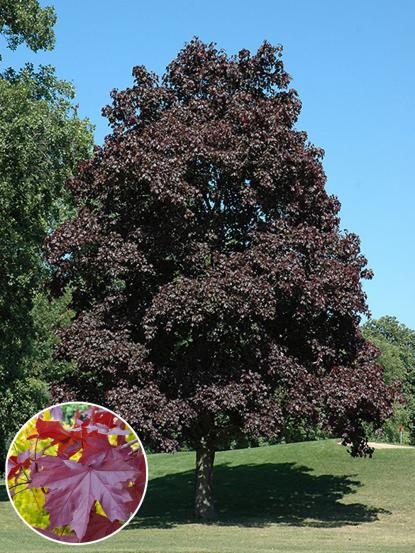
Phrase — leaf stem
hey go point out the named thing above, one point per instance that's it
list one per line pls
(24, 489)
(127, 444)
(19, 484)
(31, 489)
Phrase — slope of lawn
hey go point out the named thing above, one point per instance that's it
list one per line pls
(306, 497)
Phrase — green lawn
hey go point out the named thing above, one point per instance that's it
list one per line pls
(308, 497)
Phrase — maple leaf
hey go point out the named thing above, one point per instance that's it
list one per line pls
(16, 463)
(96, 451)
(99, 527)
(103, 429)
(104, 417)
(70, 440)
(137, 460)
(136, 493)
(50, 429)
(73, 489)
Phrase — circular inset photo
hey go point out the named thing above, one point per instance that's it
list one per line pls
(76, 473)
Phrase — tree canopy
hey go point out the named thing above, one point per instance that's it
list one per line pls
(214, 292)
(42, 140)
(396, 343)
(25, 21)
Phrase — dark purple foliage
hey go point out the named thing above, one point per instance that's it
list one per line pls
(216, 295)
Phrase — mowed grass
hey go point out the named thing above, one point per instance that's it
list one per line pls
(306, 497)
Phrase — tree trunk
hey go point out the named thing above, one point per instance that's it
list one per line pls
(204, 509)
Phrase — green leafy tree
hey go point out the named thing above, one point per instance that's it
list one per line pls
(25, 21)
(397, 345)
(48, 316)
(42, 140)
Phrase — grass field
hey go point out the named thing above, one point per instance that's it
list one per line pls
(307, 497)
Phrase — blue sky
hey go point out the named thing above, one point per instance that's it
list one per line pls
(352, 62)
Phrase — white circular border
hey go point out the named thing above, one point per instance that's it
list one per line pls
(115, 531)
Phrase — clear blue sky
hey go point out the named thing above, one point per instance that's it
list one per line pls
(353, 64)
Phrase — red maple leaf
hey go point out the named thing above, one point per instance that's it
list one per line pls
(105, 417)
(68, 440)
(99, 527)
(73, 489)
(16, 463)
(137, 460)
(50, 429)
(97, 451)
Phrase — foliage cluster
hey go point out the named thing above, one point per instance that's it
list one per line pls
(26, 21)
(396, 343)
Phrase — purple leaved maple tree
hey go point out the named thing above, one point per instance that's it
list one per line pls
(215, 293)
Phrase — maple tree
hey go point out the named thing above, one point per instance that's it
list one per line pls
(215, 295)
(89, 476)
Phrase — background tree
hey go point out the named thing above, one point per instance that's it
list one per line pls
(42, 140)
(396, 343)
(48, 316)
(25, 21)
(215, 294)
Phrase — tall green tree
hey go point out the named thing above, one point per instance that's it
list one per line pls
(396, 343)
(42, 139)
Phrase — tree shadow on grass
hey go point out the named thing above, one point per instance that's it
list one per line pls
(257, 495)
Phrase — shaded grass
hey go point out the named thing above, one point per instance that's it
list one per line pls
(290, 498)
(259, 494)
